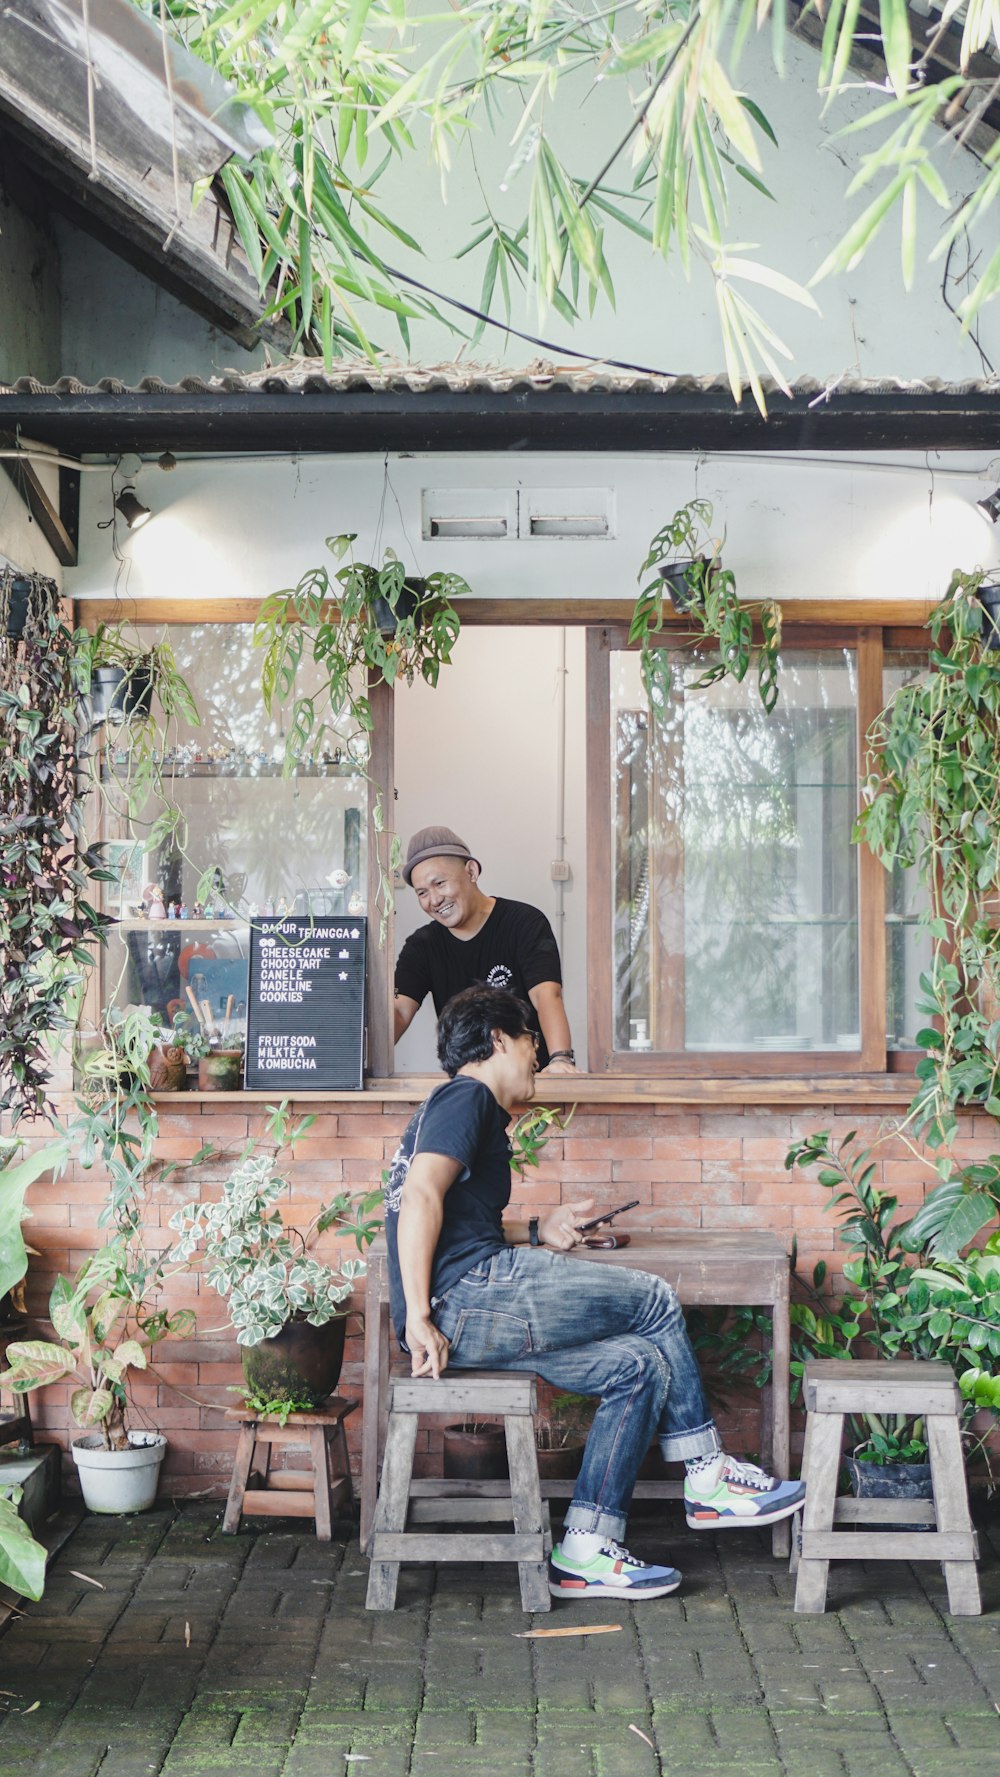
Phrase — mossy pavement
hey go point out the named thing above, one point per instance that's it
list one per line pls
(200, 1655)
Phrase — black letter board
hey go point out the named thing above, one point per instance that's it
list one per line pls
(305, 1028)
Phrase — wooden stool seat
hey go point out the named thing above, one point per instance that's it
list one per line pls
(833, 1388)
(285, 1493)
(464, 1393)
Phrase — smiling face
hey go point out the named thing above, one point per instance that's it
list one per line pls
(446, 889)
(516, 1060)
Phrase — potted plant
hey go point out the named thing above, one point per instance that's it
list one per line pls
(913, 1292)
(183, 1047)
(560, 1434)
(106, 1323)
(689, 573)
(122, 677)
(220, 1064)
(25, 601)
(474, 1450)
(286, 1305)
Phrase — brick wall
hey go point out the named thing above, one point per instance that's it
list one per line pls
(712, 1168)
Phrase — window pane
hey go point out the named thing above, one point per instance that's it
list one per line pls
(908, 945)
(735, 880)
(282, 845)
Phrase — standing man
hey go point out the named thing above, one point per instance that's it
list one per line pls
(470, 1289)
(474, 937)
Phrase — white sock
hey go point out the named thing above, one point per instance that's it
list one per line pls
(582, 1545)
(708, 1468)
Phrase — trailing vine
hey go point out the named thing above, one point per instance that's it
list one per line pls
(932, 803)
(49, 929)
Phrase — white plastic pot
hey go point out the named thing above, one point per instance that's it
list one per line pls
(119, 1480)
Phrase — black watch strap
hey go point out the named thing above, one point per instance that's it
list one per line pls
(533, 1239)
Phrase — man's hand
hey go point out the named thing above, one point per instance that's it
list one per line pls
(558, 1067)
(427, 1347)
(561, 1227)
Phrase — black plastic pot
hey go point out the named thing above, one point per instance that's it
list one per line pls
(20, 592)
(989, 598)
(300, 1363)
(676, 578)
(387, 619)
(891, 1480)
(118, 694)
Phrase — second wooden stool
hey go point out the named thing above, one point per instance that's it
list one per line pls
(464, 1393)
(290, 1493)
(833, 1388)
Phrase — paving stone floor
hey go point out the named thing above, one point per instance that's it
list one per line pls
(210, 1656)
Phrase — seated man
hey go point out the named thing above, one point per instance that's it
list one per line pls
(475, 937)
(468, 1288)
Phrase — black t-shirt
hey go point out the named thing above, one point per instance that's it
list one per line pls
(463, 1120)
(515, 949)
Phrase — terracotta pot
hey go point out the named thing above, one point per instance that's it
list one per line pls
(300, 1363)
(562, 1464)
(475, 1455)
(222, 1071)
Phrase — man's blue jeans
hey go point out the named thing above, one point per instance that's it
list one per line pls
(594, 1329)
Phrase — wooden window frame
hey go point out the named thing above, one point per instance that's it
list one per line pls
(867, 623)
(872, 1056)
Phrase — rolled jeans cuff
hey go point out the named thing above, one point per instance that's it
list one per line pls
(704, 1440)
(583, 1515)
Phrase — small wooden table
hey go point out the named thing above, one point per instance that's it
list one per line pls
(315, 1492)
(706, 1270)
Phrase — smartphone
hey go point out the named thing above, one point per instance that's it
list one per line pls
(598, 1221)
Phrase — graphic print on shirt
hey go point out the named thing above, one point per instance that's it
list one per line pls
(500, 976)
(399, 1166)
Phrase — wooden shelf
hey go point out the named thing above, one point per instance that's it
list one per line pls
(593, 1089)
(184, 925)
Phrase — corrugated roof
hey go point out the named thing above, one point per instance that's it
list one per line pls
(354, 376)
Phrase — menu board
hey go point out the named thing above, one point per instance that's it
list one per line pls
(306, 1011)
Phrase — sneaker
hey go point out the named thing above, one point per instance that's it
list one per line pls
(611, 1573)
(741, 1495)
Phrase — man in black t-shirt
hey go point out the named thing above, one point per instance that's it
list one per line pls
(473, 1289)
(474, 937)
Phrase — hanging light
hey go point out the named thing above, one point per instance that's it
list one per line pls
(989, 505)
(131, 508)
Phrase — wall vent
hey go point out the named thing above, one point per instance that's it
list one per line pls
(569, 513)
(468, 514)
(496, 514)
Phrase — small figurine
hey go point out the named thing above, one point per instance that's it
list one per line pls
(267, 911)
(356, 904)
(182, 912)
(338, 879)
(172, 910)
(281, 911)
(157, 910)
(201, 912)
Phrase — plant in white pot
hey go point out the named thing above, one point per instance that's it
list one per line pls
(287, 1306)
(105, 1323)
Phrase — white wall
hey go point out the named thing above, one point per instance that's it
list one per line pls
(478, 754)
(793, 528)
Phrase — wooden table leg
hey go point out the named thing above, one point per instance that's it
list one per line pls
(951, 1503)
(781, 1443)
(321, 1484)
(374, 1365)
(825, 1440)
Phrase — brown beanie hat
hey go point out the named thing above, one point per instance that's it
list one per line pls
(434, 842)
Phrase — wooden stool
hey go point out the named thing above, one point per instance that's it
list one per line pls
(462, 1393)
(929, 1391)
(285, 1493)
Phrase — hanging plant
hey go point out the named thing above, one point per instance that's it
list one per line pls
(49, 930)
(360, 626)
(689, 575)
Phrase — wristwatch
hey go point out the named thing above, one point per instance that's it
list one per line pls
(533, 1239)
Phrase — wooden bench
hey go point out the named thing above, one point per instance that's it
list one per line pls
(833, 1388)
(286, 1493)
(507, 1394)
(706, 1269)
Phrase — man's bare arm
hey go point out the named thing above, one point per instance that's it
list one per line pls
(547, 999)
(404, 1012)
(421, 1212)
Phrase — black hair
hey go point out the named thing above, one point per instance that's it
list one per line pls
(466, 1026)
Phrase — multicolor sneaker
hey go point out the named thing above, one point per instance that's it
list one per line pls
(611, 1573)
(741, 1495)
